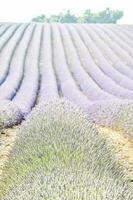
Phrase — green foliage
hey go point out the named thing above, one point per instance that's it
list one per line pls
(59, 155)
(53, 18)
(105, 16)
(108, 16)
(40, 18)
(87, 17)
(68, 17)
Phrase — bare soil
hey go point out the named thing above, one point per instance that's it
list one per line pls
(7, 140)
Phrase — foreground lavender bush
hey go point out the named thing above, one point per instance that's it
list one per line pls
(9, 114)
(60, 156)
(117, 114)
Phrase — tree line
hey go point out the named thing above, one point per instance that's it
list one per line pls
(106, 16)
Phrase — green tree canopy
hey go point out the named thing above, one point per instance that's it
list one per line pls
(40, 18)
(105, 16)
(53, 18)
(68, 17)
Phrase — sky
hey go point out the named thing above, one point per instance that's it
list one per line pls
(25, 10)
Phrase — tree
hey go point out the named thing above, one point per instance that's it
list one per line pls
(54, 18)
(40, 18)
(109, 16)
(87, 17)
(68, 17)
(105, 16)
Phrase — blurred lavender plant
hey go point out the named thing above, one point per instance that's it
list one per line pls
(116, 114)
(10, 114)
(60, 156)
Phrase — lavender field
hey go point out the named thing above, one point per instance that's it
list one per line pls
(59, 85)
(84, 63)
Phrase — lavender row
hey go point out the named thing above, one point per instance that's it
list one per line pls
(121, 39)
(123, 34)
(8, 42)
(124, 29)
(116, 114)
(103, 64)
(108, 53)
(85, 82)
(128, 27)
(105, 82)
(26, 96)
(115, 45)
(60, 155)
(4, 28)
(68, 87)
(48, 85)
(16, 72)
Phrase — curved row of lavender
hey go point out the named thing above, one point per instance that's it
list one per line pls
(68, 86)
(85, 82)
(116, 47)
(27, 93)
(48, 86)
(6, 49)
(103, 63)
(83, 63)
(15, 72)
(108, 52)
(122, 41)
(104, 81)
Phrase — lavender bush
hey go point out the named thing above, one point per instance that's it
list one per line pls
(60, 155)
(116, 114)
(9, 114)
